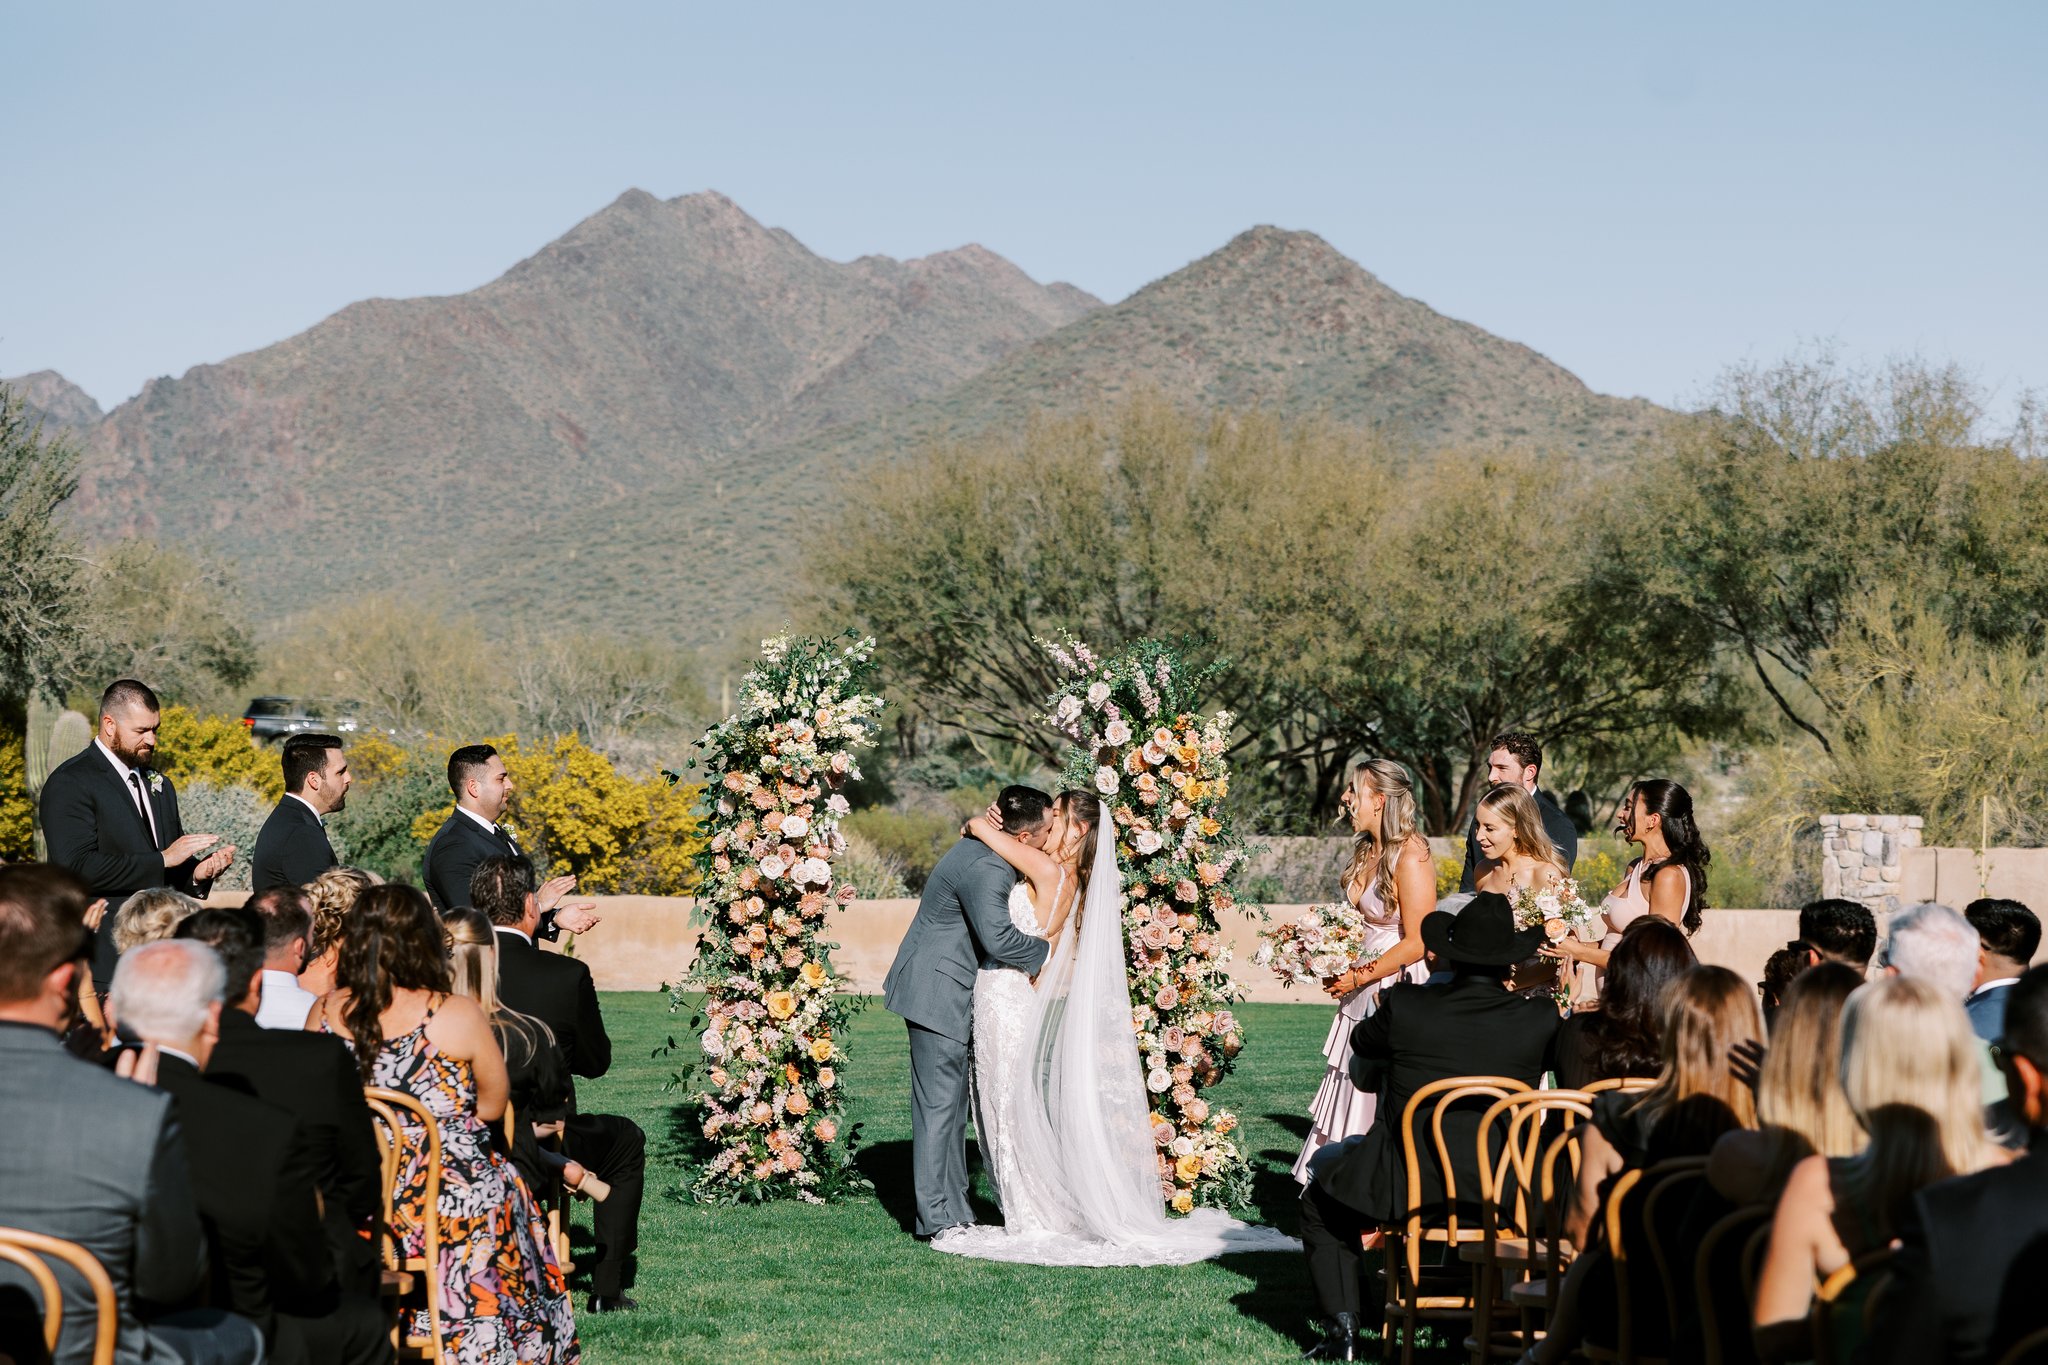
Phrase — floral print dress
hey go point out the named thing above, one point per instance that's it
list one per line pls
(502, 1294)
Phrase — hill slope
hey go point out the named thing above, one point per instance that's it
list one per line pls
(652, 338)
(60, 403)
(1277, 319)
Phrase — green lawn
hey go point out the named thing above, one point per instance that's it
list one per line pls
(846, 1282)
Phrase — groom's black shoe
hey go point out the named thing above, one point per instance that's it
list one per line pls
(1339, 1343)
(616, 1303)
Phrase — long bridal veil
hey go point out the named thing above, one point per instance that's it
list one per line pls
(1083, 1133)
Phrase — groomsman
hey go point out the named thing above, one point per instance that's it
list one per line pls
(113, 820)
(482, 787)
(1517, 759)
(292, 848)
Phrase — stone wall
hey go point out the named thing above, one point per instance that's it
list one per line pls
(1862, 857)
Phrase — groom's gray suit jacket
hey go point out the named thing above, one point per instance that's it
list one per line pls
(962, 925)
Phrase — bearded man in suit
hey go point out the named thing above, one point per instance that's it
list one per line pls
(113, 820)
(473, 832)
(292, 848)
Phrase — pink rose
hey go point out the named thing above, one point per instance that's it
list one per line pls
(1166, 998)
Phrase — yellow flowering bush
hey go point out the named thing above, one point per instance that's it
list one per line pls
(218, 750)
(17, 813)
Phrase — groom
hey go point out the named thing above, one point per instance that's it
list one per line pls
(962, 924)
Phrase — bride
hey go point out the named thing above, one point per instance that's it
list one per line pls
(1059, 1100)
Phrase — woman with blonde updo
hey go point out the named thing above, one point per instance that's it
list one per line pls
(333, 894)
(1392, 881)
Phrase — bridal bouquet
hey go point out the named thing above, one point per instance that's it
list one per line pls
(1140, 742)
(1311, 949)
(775, 1019)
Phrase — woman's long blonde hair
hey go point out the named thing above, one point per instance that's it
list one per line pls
(1707, 1011)
(1523, 817)
(1911, 1074)
(1799, 1095)
(473, 956)
(1376, 854)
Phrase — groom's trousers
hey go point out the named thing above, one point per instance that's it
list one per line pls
(939, 1068)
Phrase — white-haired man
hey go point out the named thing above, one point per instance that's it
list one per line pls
(1935, 944)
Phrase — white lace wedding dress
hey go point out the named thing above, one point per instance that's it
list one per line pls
(1062, 1114)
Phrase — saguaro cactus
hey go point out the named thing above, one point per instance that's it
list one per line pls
(54, 734)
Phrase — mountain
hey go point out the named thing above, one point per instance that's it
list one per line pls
(1277, 319)
(391, 442)
(59, 402)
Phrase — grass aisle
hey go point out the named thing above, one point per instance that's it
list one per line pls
(846, 1282)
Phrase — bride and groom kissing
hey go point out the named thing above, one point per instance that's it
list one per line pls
(1012, 981)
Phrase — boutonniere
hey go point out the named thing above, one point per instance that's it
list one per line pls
(156, 784)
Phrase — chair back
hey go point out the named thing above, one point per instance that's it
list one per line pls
(404, 1126)
(1841, 1306)
(1719, 1286)
(2031, 1349)
(1510, 1144)
(1653, 1304)
(1557, 1182)
(1441, 1098)
(1627, 1085)
(29, 1250)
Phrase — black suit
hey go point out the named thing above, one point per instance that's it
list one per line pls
(96, 830)
(1467, 1026)
(1966, 1284)
(313, 1077)
(557, 990)
(1556, 824)
(451, 860)
(292, 848)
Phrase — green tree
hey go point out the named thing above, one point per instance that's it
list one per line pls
(42, 587)
(172, 617)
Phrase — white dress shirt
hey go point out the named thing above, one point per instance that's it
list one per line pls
(133, 783)
(285, 1002)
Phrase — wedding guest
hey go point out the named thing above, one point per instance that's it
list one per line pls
(114, 821)
(1909, 1067)
(287, 919)
(1516, 759)
(1801, 1108)
(1709, 1014)
(2008, 936)
(1838, 930)
(150, 916)
(1669, 880)
(292, 848)
(311, 1076)
(89, 1157)
(1781, 969)
(1965, 1285)
(1468, 1025)
(1391, 880)
(472, 833)
(558, 991)
(502, 1294)
(333, 894)
(252, 1176)
(1622, 1036)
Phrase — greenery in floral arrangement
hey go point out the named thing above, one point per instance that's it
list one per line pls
(773, 1112)
(1140, 742)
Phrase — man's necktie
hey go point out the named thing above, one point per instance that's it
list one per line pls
(142, 804)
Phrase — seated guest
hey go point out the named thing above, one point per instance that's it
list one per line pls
(557, 990)
(150, 916)
(1837, 930)
(333, 893)
(1622, 1036)
(542, 1092)
(1709, 1015)
(1801, 1108)
(1966, 1283)
(287, 929)
(251, 1175)
(292, 848)
(1781, 969)
(312, 1077)
(1468, 1025)
(2008, 936)
(89, 1157)
(502, 1296)
(1933, 943)
(1909, 1067)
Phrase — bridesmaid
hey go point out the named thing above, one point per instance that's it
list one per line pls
(1669, 879)
(1517, 854)
(1392, 882)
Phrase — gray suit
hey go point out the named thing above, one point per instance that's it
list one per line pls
(94, 1159)
(962, 925)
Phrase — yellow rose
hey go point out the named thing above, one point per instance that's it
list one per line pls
(821, 1049)
(1211, 827)
(814, 974)
(1183, 1202)
(1188, 1167)
(781, 1004)
(1188, 754)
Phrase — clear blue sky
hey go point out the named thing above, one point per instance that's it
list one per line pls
(1646, 193)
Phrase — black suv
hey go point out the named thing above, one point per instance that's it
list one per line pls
(272, 718)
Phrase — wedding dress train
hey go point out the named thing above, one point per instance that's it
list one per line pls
(1062, 1113)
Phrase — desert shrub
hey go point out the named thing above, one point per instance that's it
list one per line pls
(913, 841)
(1449, 872)
(216, 749)
(873, 872)
(17, 812)
(392, 786)
(1599, 868)
(234, 813)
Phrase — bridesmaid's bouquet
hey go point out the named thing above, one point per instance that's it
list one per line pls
(1314, 947)
(1558, 909)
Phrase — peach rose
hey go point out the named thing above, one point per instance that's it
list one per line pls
(826, 1130)
(827, 1078)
